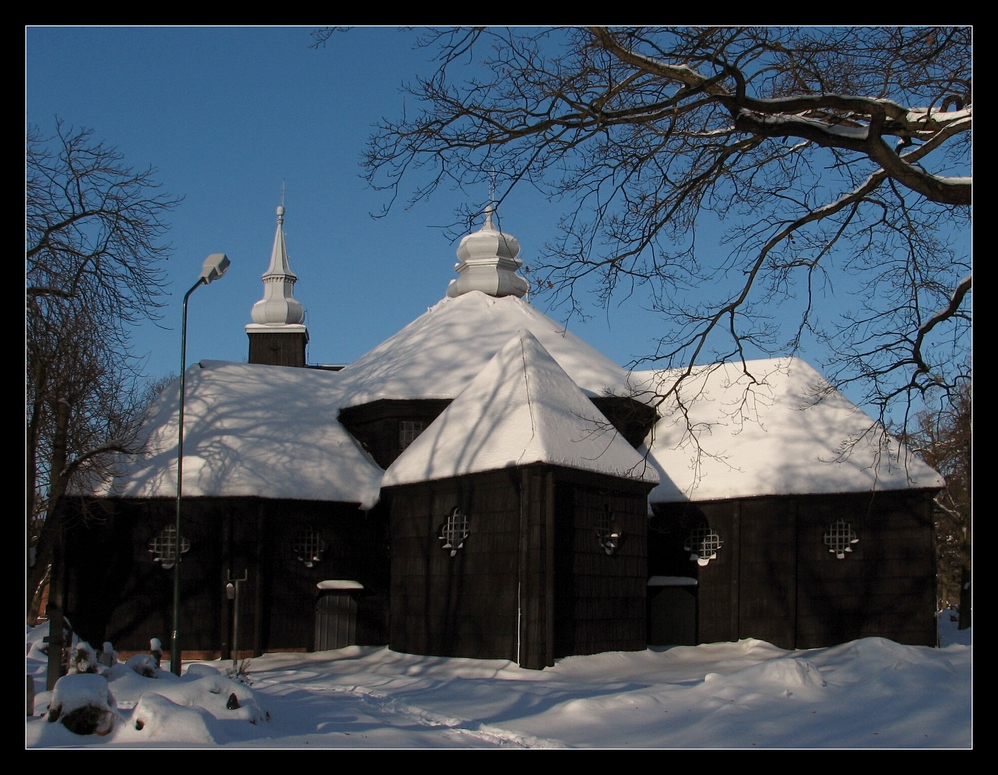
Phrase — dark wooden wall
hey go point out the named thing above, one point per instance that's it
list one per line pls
(376, 425)
(599, 597)
(884, 587)
(118, 593)
(774, 578)
(532, 582)
(357, 549)
(115, 591)
(462, 605)
(278, 349)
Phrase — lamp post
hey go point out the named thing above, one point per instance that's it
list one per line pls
(214, 267)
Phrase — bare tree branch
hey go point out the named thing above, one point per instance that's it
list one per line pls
(93, 236)
(827, 160)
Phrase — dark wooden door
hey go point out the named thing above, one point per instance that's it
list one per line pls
(335, 621)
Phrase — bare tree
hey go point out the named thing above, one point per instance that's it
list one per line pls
(94, 230)
(824, 161)
(944, 439)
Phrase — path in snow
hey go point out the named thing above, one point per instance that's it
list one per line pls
(360, 707)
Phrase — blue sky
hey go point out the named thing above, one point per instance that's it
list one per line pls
(228, 116)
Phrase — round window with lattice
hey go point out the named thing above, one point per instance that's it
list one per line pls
(840, 538)
(309, 546)
(703, 544)
(164, 546)
(454, 532)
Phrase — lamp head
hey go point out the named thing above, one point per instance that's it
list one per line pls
(214, 267)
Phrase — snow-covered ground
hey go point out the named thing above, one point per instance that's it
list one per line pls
(870, 693)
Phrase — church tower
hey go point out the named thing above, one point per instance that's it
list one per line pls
(277, 335)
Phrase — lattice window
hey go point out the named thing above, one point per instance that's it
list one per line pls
(454, 531)
(703, 544)
(408, 431)
(164, 546)
(608, 532)
(840, 537)
(309, 546)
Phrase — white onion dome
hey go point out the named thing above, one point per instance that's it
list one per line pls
(488, 263)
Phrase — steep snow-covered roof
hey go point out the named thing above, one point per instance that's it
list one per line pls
(521, 408)
(440, 352)
(258, 430)
(780, 431)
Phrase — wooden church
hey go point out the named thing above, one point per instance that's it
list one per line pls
(485, 484)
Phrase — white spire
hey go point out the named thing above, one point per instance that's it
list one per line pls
(278, 306)
(488, 263)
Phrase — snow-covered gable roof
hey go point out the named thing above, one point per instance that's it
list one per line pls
(787, 434)
(252, 430)
(440, 352)
(521, 408)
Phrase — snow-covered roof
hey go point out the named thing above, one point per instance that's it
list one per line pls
(272, 431)
(252, 430)
(780, 431)
(521, 408)
(440, 352)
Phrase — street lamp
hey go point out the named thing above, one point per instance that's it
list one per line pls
(214, 267)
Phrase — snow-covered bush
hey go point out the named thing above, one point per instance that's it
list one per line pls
(84, 704)
(143, 664)
(83, 659)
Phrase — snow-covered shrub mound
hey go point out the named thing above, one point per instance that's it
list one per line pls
(144, 665)
(222, 697)
(84, 704)
(83, 659)
(159, 718)
(199, 671)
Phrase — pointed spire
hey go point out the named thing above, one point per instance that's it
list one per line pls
(277, 334)
(278, 306)
(488, 263)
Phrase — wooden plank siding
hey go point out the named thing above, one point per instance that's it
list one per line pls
(278, 348)
(600, 598)
(462, 605)
(884, 587)
(532, 582)
(774, 578)
(536, 577)
(120, 594)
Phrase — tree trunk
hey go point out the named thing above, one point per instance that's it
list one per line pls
(54, 528)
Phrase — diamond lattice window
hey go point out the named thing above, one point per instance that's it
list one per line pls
(840, 537)
(703, 544)
(164, 546)
(454, 531)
